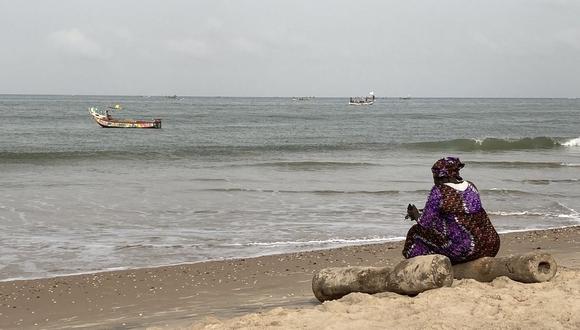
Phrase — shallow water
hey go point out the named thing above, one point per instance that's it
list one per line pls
(239, 177)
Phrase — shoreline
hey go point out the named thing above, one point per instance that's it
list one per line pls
(182, 294)
(375, 241)
(115, 269)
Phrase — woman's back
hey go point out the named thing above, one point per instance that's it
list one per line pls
(464, 214)
(456, 201)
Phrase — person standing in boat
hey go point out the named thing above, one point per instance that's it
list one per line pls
(115, 107)
(453, 222)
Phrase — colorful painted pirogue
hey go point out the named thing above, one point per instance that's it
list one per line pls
(105, 120)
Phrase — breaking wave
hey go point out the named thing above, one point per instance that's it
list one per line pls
(236, 151)
(572, 143)
(544, 181)
(496, 144)
(515, 192)
(517, 164)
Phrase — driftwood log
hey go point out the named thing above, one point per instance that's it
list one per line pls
(415, 275)
(527, 268)
(410, 277)
(418, 274)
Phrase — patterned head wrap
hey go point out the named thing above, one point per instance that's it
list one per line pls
(447, 167)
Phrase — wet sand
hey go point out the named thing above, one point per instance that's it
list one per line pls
(197, 293)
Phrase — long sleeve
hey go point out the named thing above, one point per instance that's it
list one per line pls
(430, 214)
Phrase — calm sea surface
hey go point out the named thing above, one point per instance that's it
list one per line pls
(240, 177)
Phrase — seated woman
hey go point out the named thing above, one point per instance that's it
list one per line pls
(453, 222)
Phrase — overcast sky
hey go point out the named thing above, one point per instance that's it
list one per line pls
(438, 48)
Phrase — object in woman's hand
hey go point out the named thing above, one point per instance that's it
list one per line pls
(412, 212)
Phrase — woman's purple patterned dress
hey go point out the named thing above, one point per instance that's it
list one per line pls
(453, 224)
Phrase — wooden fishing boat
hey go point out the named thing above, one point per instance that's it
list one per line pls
(105, 120)
(367, 100)
(358, 101)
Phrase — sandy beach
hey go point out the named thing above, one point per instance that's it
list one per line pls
(275, 291)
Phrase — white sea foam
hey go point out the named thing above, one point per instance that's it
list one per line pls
(523, 230)
(572, 215)
(332, 241)
(572, 143)
(568, 208)
(570, 164)
(517, 213)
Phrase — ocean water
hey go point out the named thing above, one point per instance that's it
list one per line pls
(241, 177)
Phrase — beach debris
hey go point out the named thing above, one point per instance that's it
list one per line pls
(335, 282)
(410, 277)
(415, 275)
(532, 267)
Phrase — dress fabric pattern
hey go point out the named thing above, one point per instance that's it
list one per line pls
(454, 224)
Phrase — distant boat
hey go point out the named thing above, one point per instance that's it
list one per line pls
(367, 100)
(303, 98)
(174, 97)
(107, 121)
(408, 97)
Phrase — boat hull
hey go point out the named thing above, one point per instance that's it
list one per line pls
(361, 103)
(108, 122)
(128, 123)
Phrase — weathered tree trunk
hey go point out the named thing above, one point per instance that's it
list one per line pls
(415, 275)
(410, 276)
(527, 268)
(336, 282)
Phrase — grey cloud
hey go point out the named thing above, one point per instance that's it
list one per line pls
(199, 49)
(292, 47)
(74, 42)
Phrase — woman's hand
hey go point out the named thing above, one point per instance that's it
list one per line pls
(412, 212)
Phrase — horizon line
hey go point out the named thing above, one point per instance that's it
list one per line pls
(308, 96)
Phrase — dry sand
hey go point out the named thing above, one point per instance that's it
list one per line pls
(468, 304)
(275, 292)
